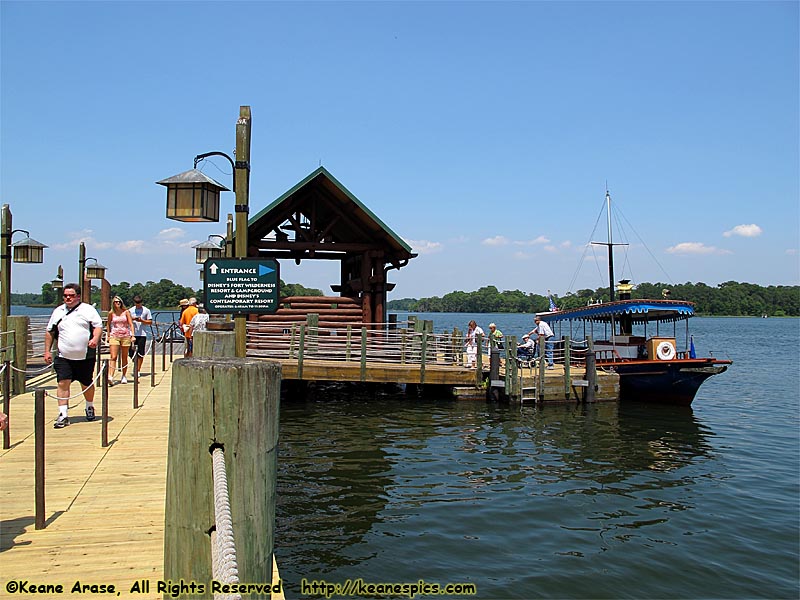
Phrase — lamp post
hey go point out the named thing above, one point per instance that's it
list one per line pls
(88, 272)
(24, 251)
(209, 249)
(192, 196)
(58, 283)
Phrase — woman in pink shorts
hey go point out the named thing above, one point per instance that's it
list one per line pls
(120, 333)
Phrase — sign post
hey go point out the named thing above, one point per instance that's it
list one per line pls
(241, 286)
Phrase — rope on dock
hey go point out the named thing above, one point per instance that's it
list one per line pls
(35, 372)
(94, 383)
(224, 567)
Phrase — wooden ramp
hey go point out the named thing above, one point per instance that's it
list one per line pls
(104, 507)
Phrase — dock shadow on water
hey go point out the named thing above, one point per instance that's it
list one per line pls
(561, 501)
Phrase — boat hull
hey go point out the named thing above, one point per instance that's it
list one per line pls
(666, 382)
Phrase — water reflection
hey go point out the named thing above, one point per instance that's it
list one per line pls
(449, 484)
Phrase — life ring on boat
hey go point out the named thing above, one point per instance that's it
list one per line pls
(665, 351)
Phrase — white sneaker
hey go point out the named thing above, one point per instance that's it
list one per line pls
(123, 380)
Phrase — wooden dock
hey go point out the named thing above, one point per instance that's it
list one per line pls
(104, 507)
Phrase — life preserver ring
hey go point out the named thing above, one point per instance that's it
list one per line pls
(665, 351)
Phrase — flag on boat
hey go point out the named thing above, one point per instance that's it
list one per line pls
(692, 353)
(553, 306)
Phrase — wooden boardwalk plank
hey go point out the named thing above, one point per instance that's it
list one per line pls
(104, 506)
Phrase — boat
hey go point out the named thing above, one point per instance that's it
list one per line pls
(640, 341)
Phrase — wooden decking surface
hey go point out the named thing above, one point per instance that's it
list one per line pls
(104, 506)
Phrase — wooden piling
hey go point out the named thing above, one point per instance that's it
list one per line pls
(232, 403)
(20, 326)
(209, 344)
(591, 370)
(39, 479)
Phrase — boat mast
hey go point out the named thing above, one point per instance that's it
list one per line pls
(610, 248)
(610, 244)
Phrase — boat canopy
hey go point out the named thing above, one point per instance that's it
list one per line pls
(641, 311)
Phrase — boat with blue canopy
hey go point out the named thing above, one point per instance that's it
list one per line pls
(645, 341)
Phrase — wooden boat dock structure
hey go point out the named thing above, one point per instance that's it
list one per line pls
(413, 355)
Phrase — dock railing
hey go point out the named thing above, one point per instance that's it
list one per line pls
(371, 342)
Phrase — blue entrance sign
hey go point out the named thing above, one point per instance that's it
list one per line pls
(241, 285)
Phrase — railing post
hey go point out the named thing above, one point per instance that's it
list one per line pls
(363, 354)
(153, 347)
(567, 380)
(7, 402)
(424, 353)
(312, 320)
(38, 426)
(135, 379)
(230, 403)
(348, 353)
(104, 419)
(512, 376)
(479, 360)
(300, 351)
(542, 366)
(292, 341)
(164, 353)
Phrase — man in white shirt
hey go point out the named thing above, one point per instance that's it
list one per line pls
(141, 316)
(543, 329)
(77, 327)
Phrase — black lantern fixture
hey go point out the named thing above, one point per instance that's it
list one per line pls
(192, 196)
(27, 250)
(209, 249)
(95, 270)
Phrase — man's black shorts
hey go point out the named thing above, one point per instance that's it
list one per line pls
(138, 346)
(74, 370)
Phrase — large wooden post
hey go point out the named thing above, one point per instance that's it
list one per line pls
(232, 403)
(208, 344)
(20, 326)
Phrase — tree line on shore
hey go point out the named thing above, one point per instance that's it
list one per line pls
(163, 295)
(727, 299)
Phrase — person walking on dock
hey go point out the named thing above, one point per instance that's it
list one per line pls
(120, 335)
(543, 329)
(77, 327)
(471, 343)
(186, 318)
(141, 316)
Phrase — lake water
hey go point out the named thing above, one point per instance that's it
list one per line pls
(601, 501)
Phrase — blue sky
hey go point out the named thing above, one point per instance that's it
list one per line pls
(483, 133)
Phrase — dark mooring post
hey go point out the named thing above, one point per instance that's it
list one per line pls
(230, 403)
(38, 453)
(591, 371)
